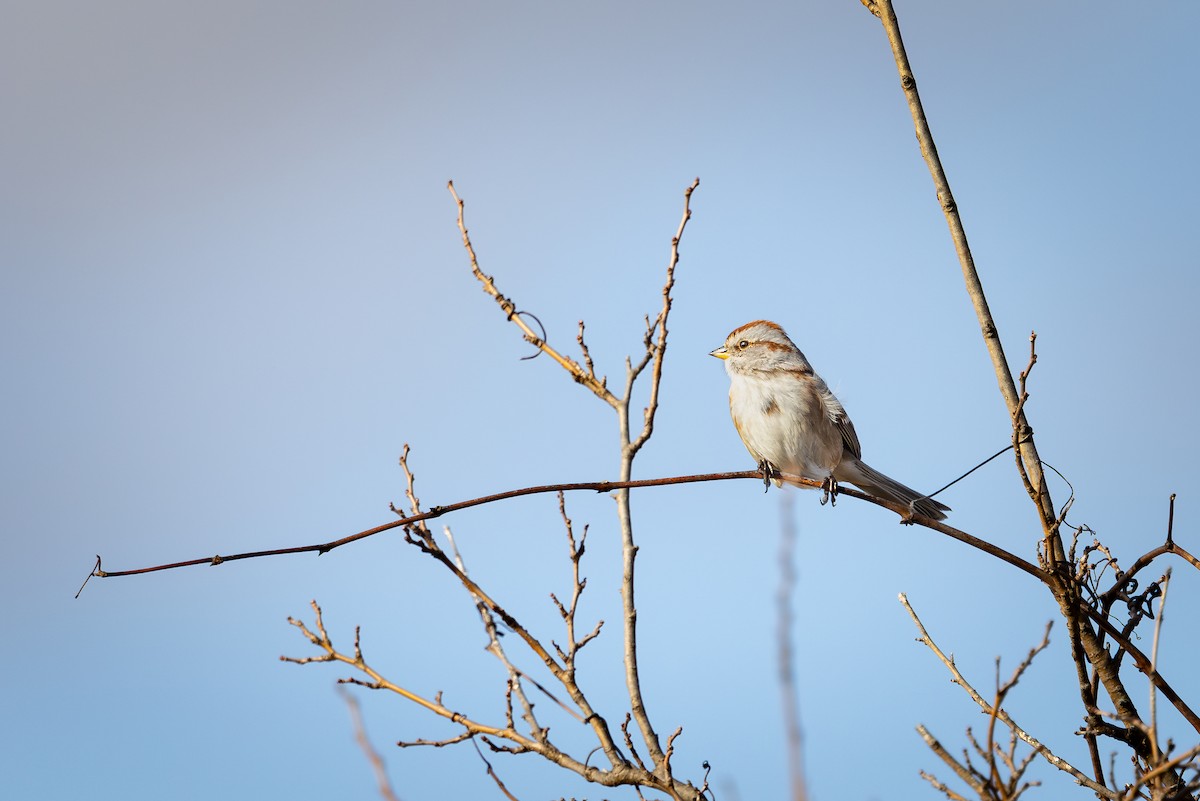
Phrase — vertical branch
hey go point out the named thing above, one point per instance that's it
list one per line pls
(655, 350)
(658, 349)
(887, 15)
(1058, 577)
(364, 742)
(787, 677)
(1153, 728)
(655, 344)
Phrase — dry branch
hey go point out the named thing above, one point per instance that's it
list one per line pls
(1058, 762)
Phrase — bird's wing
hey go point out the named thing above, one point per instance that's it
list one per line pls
(849, 435)
(837, 415)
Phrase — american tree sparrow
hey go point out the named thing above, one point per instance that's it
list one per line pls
(791, 423)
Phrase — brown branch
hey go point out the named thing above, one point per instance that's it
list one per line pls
(785, 646)
(435, 512)
(575, 551)
(1142, 662)
(659, 348)
(598, 486)
(462, 738)
(364, 742)
(991, 336)
(1065, 592)
(582, 376)
(1152, 729)
(1002, 691)
(629, 741)
(1145, 559)
(493, 774)
(495, 648)
(938, 785)
(564, 673)
(622, 774)
(1145, 778)
(1003, 716)
(962, 771)
(630, 445)
(587, 356)
(320, 638)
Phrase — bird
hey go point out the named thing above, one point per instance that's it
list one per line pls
(791, 422)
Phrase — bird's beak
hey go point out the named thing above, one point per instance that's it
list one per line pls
(721, 353)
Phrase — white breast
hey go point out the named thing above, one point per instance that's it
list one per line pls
(782, 419)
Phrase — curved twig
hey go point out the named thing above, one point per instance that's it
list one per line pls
(596, 486)
(434, 512)
(515, 317)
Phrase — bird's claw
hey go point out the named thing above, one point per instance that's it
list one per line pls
(829, 491)
(768, 472)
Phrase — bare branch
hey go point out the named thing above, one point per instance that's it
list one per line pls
(364, 742)
(1008, 390)
(582, 376)
(439, 511)
(466, 735)
(497, 650)
(961, 770)
(1152, 775)
(933, 780)
(492, 773)
(654, 353)
(1152, 729)
(320, 638)
(621, 774)
(587, 356)
(1001, 715)
(783, 639)
(659, 348)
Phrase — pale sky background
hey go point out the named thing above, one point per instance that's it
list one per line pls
(232, 289)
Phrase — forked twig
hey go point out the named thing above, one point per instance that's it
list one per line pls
(1001, 715)
(588, 379)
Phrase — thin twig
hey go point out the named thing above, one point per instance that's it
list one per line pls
(785, 646)
(962, 771)
(654, 352)
(621, 774)
(1003, 716)
(659, 348)
(596, 486)
(1158, 623)
(497, 650)
(1157, 772)
(438, 511)
(364, 742)
(493, 774)
(514, 316)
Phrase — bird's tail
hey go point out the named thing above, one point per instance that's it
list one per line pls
(870, 480)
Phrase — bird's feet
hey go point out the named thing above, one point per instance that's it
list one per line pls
(829, 491)
(769, 471)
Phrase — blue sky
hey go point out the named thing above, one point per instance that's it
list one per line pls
(232, 289)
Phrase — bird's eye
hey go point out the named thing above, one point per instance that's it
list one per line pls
(745, 343)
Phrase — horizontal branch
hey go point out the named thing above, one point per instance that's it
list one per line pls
(905, 514)
(438, 511)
